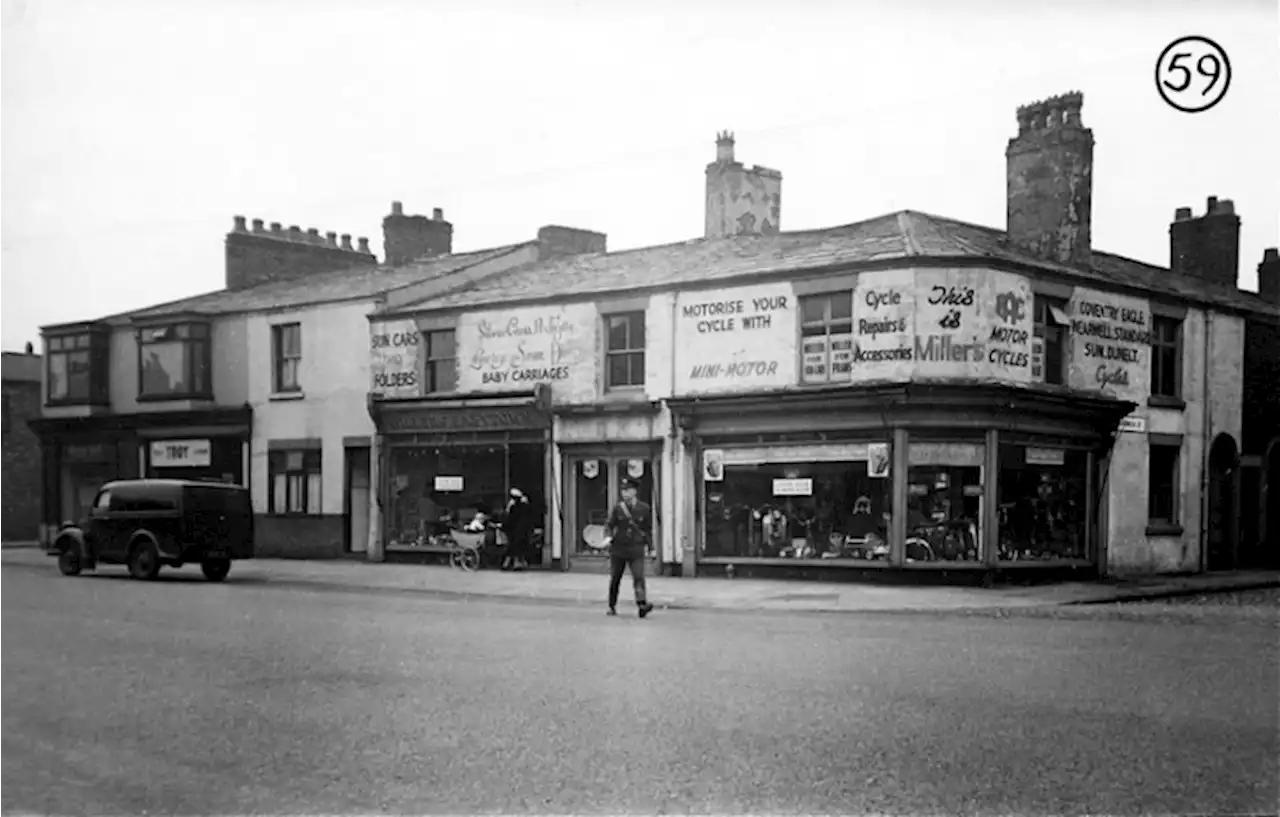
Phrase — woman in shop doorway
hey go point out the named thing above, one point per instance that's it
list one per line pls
(630, 524)
(519, 528)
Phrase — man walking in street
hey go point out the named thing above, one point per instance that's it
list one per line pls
(630, 526)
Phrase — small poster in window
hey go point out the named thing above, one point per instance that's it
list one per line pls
(713, 465)
(591, 468)
(452, 484)
(878, 460)
(793, 487)
(635, 468)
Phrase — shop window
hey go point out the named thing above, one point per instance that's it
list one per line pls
(441, 366)
(624, 356)
(1049, 343)
(826, 330)
(75, 368)
(435, 491)
(1043, 509)
(1163, 486)
(286, 356)
(173, 361)
(294, 482)
(1166, 356)
(944, 502)
(823, 510)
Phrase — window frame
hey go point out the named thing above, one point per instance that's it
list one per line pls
(1159, 524)
(827, 323)
(1160, 346)
(431, 364)
(1043, 323)
(311, 463)
(94, 345)
(632, 352)
(280, 357)
(196, 339)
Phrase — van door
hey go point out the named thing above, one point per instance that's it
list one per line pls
(104, 526)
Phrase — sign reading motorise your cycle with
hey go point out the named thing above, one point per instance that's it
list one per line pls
(730, 340)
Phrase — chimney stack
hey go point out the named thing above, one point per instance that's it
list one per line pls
(558, 242)
(1207, 247)
(260, 257)
(1049, 181)
(408, 238)
(741, 201)
(1269, 276)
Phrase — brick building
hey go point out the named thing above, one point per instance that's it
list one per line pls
(1260, 447)
(22, 373)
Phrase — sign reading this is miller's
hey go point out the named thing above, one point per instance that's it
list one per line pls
(517, 349)
(733, 340)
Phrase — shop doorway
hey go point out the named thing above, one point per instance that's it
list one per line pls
(357, 501)
(595, 483)
(1223, 509)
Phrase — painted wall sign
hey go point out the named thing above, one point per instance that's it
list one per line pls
(181, 454)
(734, 340)
(942, 323)
(516, 349)
(394, 353)
(1110, 344)
(479, 418)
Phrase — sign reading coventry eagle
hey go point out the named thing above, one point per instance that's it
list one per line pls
(735, 340)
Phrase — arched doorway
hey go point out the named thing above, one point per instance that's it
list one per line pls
(1224, 461)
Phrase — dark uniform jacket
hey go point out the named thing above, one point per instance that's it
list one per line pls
(630, 535)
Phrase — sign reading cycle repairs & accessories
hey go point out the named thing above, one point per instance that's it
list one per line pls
(734, 340)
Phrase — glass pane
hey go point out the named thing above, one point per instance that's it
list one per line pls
(435, 489)
(293, 340)
(313, 492)
(813, 309)
(591, 506)
(295, 485)
(442, 376)
(442, 346)
(637, 331)
(635, 369)
(617, 333)
(58, 376)
(944, 513)
(829, 510)
(199, 383)
(77, 375)
(1043, 504)
(279, 494)
(617, 371)
(162, 368)
(842, 307)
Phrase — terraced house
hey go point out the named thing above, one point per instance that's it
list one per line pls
(909, 393)
(263, 383)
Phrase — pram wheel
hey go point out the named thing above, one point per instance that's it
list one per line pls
(466, 558)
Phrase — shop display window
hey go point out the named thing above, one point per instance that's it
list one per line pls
(435, 490)
(824, 510)
(944, 502)
(1043, 503)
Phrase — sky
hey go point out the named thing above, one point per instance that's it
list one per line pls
(133, 130)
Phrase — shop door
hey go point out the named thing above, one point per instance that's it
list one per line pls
(358, 483)
(1222, 504)
(596, 488)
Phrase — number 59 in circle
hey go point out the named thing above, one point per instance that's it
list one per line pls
(1193, 74)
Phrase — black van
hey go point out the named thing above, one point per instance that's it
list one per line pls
(147, 523)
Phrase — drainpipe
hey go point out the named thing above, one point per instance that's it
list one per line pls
(1206, 431)
(681, 491)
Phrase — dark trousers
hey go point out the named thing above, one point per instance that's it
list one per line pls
(617, 566)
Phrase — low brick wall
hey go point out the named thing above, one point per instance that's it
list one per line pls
(299, 537)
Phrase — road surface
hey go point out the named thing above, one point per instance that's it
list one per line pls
(181, 696)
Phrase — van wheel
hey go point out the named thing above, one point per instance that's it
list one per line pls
(144, 561)
(215, 570)
(69, 561)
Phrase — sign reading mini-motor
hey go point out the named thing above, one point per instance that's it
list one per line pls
(181, 454)
(733, 340)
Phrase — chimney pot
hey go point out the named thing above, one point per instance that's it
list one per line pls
(31, 350)
(313, 235)
(364, 245)
(331, 239)
(257, 225)
(437, 214)
(397, 208)
(1271, 255)
(275, 227)
(1182, 214)
(239, 224)
(724, 146)
(1211, 204)
(346, 241)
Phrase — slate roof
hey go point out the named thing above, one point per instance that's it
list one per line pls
(326, 287)
(22, 367)
(897, 236)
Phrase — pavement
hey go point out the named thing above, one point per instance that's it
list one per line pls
(260, 697)
(701, 593)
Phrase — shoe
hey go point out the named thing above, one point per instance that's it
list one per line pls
(645, 609)
(612, 611)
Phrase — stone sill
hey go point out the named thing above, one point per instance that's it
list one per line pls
(1164, 401)
(276, 397)
(1164, 529)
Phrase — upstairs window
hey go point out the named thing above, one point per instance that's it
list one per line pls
(440, 368)
(624, 355)
(174, 362)
(826, 337)
(75, 368)
(286, 356)
(1049, 341)
(1166, 357)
